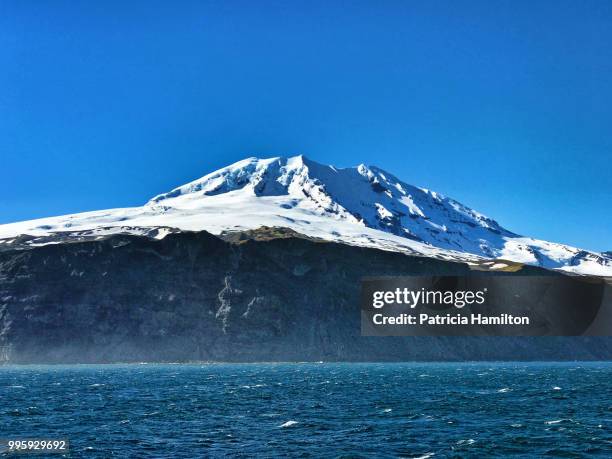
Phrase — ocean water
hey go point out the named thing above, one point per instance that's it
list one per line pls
(313, 410)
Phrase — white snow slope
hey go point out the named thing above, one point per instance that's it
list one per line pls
(362, 206)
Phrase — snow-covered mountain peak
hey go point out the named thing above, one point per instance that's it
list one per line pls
(366, 195)
(362, 205)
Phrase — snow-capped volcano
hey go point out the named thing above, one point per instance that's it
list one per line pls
(364, 196)
(362, 206)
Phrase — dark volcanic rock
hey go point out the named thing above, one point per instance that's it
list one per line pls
(194, 296)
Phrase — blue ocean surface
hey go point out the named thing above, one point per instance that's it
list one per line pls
(313, 410)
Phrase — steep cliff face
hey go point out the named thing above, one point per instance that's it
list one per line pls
(262, 296)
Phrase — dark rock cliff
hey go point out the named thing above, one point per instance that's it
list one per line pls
(195, 296)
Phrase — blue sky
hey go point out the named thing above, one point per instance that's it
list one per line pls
(505, 106)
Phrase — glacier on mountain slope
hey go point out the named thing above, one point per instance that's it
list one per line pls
(362, 206)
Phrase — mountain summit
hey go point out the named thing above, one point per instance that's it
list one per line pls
(363, 205)
(364, 196)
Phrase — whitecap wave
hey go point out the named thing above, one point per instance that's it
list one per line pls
(556, 421)
(469, 441)
(288, 424)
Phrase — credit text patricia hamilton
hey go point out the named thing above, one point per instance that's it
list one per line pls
(449, 319)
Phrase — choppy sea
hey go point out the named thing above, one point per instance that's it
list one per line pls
(313, 410)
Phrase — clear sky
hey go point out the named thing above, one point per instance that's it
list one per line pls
(503, 105)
